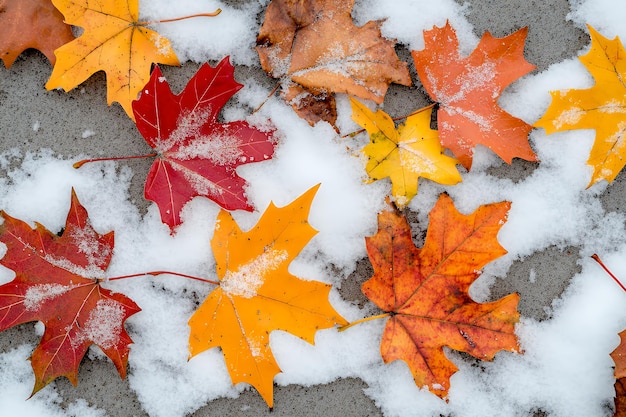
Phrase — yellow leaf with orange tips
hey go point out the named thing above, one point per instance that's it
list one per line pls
(601, 107)
(403, 155)
(113, 41)
(258, 295)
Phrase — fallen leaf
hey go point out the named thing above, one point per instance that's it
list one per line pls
(467, 90)
(601, 107)
(31, 24)
(58, 282)
(113, 41)
(403, 155)
(619, 357)
(620, 398)
(196, 156)
(316, 50)
(426, 294)
(258, 295)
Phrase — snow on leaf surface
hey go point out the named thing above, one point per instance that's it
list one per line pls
(196, 155)
(49, 287)
(316, 50)
(601, 107)
(467, 90)
(258, 295)
(113, 41)
(405, 154)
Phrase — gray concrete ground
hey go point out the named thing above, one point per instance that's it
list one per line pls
(23, 100)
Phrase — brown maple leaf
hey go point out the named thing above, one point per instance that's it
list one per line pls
(425, 291)
(31, 24)
(467, 90)
(258, 295)
(619, 357)
(316, 50)
(58, 282)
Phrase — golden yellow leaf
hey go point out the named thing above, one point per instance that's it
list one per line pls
(257, 294)
(403, 155)
(601, 107)
(113, 41)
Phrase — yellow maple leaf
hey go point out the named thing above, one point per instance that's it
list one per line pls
(113, 41)
(601, 107)
(257, 294)
(403, 155)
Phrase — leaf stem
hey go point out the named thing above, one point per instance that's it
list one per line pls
(154, 273)
(266, 98)
(596, 258)
(117, 158)
(395, 119)
(176, 19)
(354, 323)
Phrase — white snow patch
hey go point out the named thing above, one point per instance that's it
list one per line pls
(245, 281)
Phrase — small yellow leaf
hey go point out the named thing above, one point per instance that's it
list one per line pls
(113, 41)
(403, 155)
(258, 295)
(601, 107)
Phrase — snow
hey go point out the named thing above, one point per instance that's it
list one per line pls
(565, 369)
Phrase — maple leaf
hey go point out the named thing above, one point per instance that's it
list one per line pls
(601, 107)
(426, 294)
(467, 90)
(113, 41)
(405, 154)
(196, 156)
(58, 282)
(619, 357)
(31, 24)
(316, 50)
(257, 294)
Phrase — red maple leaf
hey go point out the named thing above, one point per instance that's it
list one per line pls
(196, 156)
(57, 281)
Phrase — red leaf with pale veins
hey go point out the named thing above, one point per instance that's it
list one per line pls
(57, 282)
(31, 24)
(196, 156)
(467, 90)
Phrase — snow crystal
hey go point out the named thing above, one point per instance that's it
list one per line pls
(88, 133)
(219, 149)
(37, 294)
(103, 326)
(250, 277)
(568, 117)
(91, 271)
(36, 126)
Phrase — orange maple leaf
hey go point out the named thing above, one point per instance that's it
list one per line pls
(467, 90)
(619, 357)
(31, 24)
(316, 50)
(425, 291)
(601, 107)
(257, 294)
(114, 41)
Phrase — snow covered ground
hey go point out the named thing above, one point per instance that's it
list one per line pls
(565, 370)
